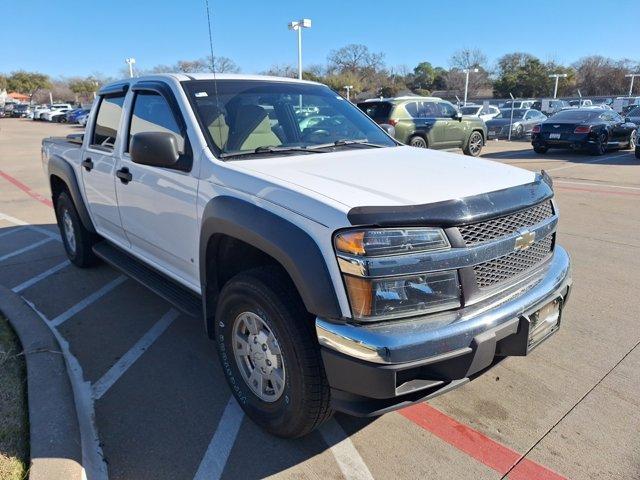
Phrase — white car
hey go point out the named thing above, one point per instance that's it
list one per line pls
(334, 268)
(56, 107)
(53, 115)
(485, 113)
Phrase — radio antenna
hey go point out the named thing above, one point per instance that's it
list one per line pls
(215, 83)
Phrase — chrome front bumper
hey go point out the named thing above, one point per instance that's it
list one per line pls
(448, 333)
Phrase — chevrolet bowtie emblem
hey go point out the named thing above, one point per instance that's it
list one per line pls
(525, 240)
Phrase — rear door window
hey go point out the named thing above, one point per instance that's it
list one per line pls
(105, 130)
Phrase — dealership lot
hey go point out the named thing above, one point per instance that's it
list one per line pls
(162, 407)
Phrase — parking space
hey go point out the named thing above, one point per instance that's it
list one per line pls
(150, 381)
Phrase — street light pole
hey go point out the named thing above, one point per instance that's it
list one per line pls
(557, 76)
(466, 82)
(130, 61)
(632, 76)
(298, 25)
(348, 89)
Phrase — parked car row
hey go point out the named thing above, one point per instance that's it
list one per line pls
(57, 112)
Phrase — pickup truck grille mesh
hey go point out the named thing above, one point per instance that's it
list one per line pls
(508, 266)
(499, 227)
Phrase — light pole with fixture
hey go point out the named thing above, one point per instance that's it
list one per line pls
(130, 61)
(348, 89)
(466, 82)
(632, 76)
(557, 76)
(298, 26)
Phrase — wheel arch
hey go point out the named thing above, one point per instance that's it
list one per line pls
(265, 238)
(62, 177)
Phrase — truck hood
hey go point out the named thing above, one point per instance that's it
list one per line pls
(388, 176)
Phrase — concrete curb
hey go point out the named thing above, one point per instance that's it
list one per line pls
(55, 442)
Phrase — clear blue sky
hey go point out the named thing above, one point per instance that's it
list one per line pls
(73, 37)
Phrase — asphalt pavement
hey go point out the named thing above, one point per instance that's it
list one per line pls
(156, 400)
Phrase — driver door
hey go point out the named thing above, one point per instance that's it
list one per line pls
(157, 204)
(452, 129)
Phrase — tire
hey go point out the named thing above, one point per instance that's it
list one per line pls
(77, 240)
(632, 141)
(600, 147)
(265, 297)
(540, 149)
(519, 132)
(418, 142)
(474, 144)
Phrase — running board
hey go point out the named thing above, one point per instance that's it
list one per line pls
(182, 298)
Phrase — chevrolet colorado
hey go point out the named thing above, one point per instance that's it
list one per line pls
(335, 268)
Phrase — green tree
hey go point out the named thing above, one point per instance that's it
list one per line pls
(3, 82)
(84, 86)
(28, 83)
(522, 75)
(423, 77)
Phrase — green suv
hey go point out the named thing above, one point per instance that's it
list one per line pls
(428, 122)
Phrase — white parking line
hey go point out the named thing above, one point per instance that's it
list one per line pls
(215, 458)
(13, 230)
(22, 223)
(349, 460)
(93, 464)
(32, 281)
(593, 184)
(129, 358)
(596, 160)
(24, 249)
(63, 317)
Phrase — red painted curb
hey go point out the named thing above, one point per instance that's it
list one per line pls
(26, 189)
(477, 445)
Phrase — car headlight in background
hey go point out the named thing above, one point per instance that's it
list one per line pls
(377, 298)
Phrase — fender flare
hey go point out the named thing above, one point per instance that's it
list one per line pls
(60, 168)
(284, 241)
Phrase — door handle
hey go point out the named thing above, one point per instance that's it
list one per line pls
(124, 175)
(87, 164)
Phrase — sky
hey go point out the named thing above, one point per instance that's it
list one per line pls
(79, 38)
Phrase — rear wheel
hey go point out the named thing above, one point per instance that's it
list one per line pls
(78, 241)
(418, 141)
(474, 145)
(269, 353)
(600, 147)
(540, 149)
(631, 145)
(519, 133)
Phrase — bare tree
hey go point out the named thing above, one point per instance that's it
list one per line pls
(354, 58)
(468, 58)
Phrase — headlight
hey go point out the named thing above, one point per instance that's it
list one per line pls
(377, 298)
(390, 241)
(380, 298)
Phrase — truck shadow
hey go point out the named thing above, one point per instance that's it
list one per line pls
(160, 416)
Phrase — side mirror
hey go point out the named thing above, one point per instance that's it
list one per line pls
(627, 120)
(390, 129)
(457, 116)
(75, 138)
(157, 149)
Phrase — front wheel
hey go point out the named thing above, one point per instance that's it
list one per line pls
(269, 353)
(631, 145)
(474, 145)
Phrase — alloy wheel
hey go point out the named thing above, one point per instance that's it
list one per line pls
(258, 356)
(69, 232)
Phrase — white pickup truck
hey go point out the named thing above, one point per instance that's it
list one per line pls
(335, 268)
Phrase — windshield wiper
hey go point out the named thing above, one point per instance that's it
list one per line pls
(346, 143)
(265, 149)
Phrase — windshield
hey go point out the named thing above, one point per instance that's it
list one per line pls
(506, 113)
(261, 117)
(470, 110)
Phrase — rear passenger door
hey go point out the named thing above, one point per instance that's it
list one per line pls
(453, 130)
(99, 161)
(158, 204)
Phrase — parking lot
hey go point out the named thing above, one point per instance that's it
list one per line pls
(150, 378)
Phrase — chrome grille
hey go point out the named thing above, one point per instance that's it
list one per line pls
(508, 266)
(499, 227)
